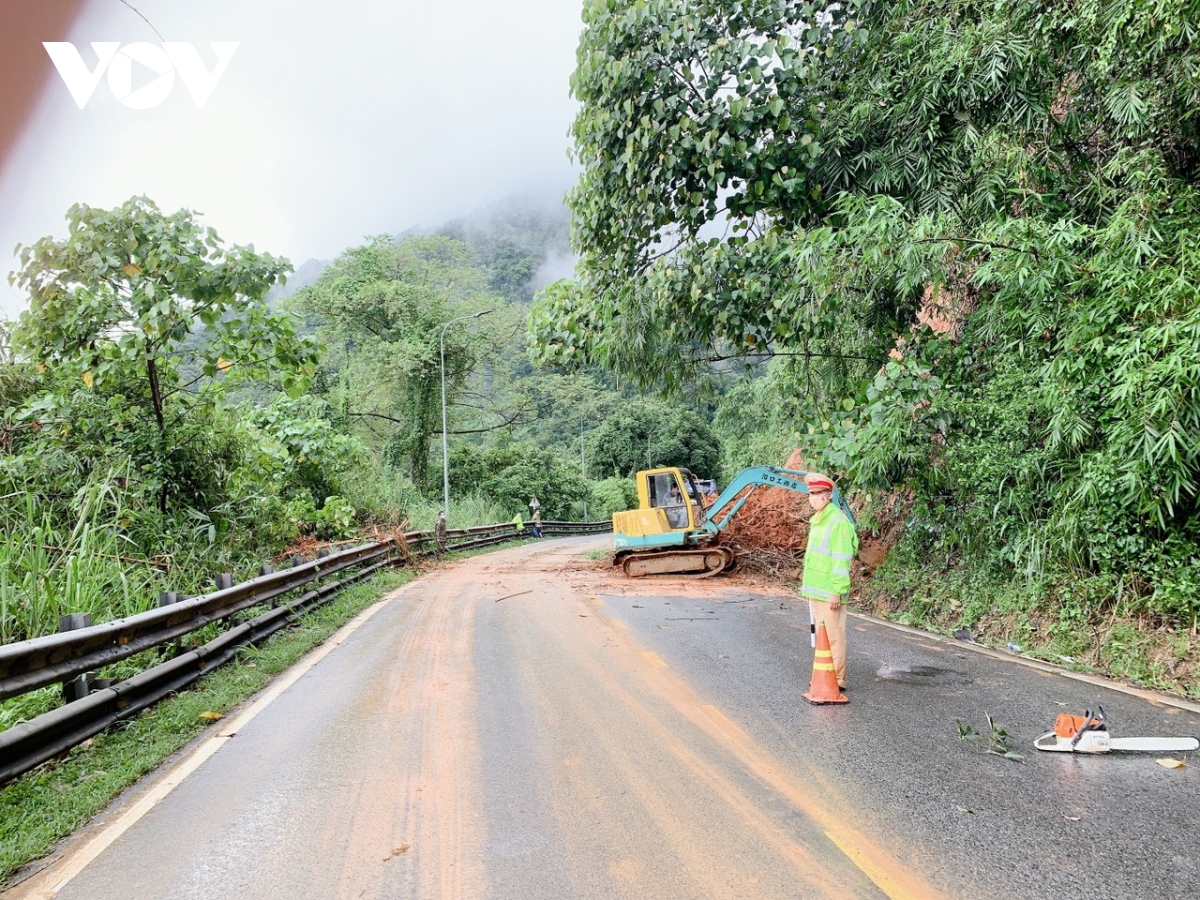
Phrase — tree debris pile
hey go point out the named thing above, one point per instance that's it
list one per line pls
(770, 532)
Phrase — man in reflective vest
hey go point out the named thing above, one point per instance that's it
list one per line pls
(832, 543)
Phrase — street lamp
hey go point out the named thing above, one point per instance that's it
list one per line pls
(582, 465)
(445, 452)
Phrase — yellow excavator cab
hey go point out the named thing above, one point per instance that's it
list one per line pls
(672, 491)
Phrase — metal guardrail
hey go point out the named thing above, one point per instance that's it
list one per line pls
(28, 665)
(31, 743)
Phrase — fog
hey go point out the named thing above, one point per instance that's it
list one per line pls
(331, 122)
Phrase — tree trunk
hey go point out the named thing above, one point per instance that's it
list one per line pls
(156, 400)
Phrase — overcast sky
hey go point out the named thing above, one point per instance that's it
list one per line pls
(332, 121)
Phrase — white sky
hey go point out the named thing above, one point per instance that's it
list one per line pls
(334, 120)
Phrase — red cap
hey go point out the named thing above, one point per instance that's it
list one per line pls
(817, 482)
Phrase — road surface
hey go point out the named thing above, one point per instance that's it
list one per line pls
(528, 724)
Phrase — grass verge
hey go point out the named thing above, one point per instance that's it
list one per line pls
(47, 804)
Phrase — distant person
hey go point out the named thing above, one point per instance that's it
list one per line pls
(439, 534)
(537, 523)
(832, 543)
(518, 523)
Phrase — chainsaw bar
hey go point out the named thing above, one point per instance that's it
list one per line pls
(1089, 734)
(1101, 742)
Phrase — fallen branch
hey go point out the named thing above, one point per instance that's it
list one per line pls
(517, 594)
(127, 559)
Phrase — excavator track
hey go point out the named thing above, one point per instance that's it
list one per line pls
(700, 563)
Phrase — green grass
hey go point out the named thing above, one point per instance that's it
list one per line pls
(48, 569)
(46, 805)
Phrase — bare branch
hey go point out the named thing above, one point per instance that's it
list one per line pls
(147, 21)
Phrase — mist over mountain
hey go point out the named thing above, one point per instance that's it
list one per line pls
(306, 274)
(538, 223)
(523, 241)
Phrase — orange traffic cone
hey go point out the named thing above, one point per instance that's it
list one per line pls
(824, 688)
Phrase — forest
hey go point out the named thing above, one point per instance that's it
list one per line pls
(946, 249)
(173, 407)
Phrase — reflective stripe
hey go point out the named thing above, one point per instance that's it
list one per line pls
(842, 555)
(823, 667)
(815, 592)
(840, 571)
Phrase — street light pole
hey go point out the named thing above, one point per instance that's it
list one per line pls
(445, 451)
(582, 465)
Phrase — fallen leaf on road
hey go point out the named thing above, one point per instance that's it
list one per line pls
(964, 809)
(1168, 763)
(396, 851)
(211, 716)
(1070, 818)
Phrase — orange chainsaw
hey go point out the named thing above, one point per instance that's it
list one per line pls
(1089, 734)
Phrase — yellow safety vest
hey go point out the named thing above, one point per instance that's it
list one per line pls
(832, 543)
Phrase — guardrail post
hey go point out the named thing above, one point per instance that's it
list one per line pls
(298, 561)
(172, 648)
(224, 581)
(77, 688)
(322, 553)
(268, 569)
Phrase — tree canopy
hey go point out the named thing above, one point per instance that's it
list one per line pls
(382, 308)
(154, 313)
(823, 181)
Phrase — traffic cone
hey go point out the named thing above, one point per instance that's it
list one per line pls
(824, 687)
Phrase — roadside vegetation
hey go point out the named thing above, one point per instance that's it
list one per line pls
(169, 410)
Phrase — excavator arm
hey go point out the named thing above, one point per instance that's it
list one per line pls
(726, 506)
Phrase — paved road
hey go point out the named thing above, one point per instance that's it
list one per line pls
(528, 725)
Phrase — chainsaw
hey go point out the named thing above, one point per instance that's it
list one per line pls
(1089, 734)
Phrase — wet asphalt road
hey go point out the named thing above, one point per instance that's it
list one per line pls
(1052, 825)
(597, 737)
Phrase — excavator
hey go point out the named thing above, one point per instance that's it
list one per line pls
(671, 532)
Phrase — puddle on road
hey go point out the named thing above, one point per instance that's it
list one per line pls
(921, 675)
